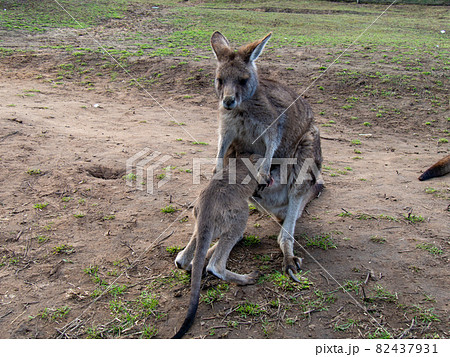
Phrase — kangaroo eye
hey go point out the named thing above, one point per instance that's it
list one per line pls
(243, 81)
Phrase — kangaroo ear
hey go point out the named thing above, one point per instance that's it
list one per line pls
(252, 51)
(220, 45)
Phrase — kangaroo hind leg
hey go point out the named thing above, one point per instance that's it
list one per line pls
(218, 263)
(185, 257)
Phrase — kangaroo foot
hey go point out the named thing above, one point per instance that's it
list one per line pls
(291, 266)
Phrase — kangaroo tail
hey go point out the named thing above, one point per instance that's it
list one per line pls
(440, 168)
(204, 239)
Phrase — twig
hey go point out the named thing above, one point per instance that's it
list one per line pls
(209, 318)
(26, 304)
(229, 312)
(128, 246)
(276, 292)
(69, 328)
(8, 135)
(145, 280)
(324, 276)
(27, 247)
(17, 317)
(23, 268)
(367, 278)
(9, 312)
(364, 293)
(408, 330)
(425, 328)
(162, 240)
(18, 235)
(335, 139)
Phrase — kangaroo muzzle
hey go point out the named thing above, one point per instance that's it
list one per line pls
(229, 102)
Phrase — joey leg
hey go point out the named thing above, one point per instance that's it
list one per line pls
(217, 263)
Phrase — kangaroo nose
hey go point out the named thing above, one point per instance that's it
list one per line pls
(229, 102)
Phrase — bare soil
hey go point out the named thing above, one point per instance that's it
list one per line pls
(80, 133)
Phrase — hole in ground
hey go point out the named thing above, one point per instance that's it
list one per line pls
(105, 173)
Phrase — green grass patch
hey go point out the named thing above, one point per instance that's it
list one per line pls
(169, 209)
(249, 240)
(430, 190)
(130, 177)
(214, 294)
(54, 314)
(132, 317)
(425, 315)
(63, 249)
(350, 323)
(176, 277)
(378, 239)
(249, 309)
(108, 217)
(40, 205)
(285, 283)
(413, 218)
(32, 172)
(352, 285)
(40, 16)
(318, 301)
(431, 248)
(174, 249)
(380, 293)
(323, 241)
(379, 333)
(42, 239)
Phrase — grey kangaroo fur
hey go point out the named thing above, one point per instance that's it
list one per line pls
(221, 212)
(264, 117)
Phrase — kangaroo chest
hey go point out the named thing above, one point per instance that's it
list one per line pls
(247, 132)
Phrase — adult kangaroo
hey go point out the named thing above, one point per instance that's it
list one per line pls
(264, 117)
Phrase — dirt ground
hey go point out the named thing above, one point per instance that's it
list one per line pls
(71, 225)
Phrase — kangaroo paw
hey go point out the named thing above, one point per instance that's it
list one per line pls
(264, 178)
(249, 279)
(253, 277)
(291, 266)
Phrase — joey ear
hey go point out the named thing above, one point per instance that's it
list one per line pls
(252, 51)
(220, 45)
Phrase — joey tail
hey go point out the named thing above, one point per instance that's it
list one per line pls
(440, 168)
(204, 239)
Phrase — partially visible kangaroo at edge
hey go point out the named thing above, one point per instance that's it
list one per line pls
(221, 212)
(440, 168)
(265, 117)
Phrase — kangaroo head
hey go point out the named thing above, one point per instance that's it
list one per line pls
(236, 75)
